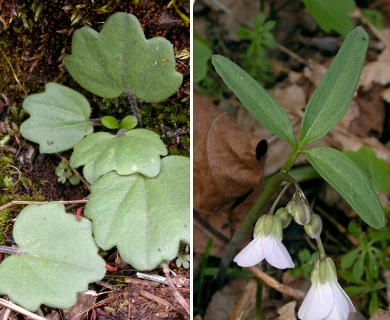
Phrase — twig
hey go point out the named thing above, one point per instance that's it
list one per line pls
(20, 310)
(76, 173)
(9, 250)
(175, 292)
(152, 277)
(11, 203)
(292, 54)
(153, 297)
(273, 283)
(134, 106)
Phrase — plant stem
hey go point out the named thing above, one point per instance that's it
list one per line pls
(321, 248)
(9, 250)
(252, 216)
(134, 106)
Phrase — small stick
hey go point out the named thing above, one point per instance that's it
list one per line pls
(9, 250)
(11, 203)
(152, 277)
(273, 283)
(175, 292)
(76, 173)
(153, 297)
(16, 308)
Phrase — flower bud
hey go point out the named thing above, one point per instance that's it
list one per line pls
(283, 216)
(301, 213)
(314, 227)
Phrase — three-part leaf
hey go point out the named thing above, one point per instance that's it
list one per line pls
(120, 59)
(334, 94)
(58, 258)
(145, 218)
(350, 181)
(59, 118)
(137, 150)
(259, 103)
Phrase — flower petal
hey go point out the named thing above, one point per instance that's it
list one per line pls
(251, 255)
(276, 253)
(342, 304)
(318, 302)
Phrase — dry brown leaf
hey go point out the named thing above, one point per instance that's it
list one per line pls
(381, 315)
(287, 312)
(226, 161)
(79, 311)
(223, 301)
(377, 71)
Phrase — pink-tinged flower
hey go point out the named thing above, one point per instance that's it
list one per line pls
(326, 300)
(267, 244)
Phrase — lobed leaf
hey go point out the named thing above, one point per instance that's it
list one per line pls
(259, 103)
(59, 118)
(145, 218)
(137, 150)
(58, 258)
(334, 94)
(120, 59)
(349, 180)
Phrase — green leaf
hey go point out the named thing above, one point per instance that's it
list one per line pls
(358, 267)
(110, 122)
(128, 123)
(58, 258)
(349, 258)
(346, 177)
(59, 118)
(259, 103)
(332, 14)
(120, 59)
(202, 54)
(137, 150)
(145, 218)
(376, 170)
(334, 94)
(354, 291)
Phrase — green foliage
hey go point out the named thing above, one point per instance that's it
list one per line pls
(332, 14)
(64, 172)
(202, 54)
(59, 118)
(374, 16)
(120, 59)
(127, 123)
(145, 218)
(253, 96)
(256, 61)
(137, 150)
(367, 261)
(347, 178)
(305, 264)
(334, 94)
(376, 170)
(58, 258)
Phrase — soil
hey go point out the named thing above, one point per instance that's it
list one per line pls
(34, 38)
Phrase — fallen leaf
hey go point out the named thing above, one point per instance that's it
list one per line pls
(287, 312)
(377, 71)
(227, 162)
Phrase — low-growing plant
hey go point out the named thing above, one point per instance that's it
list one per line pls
(256, 60)
(139, 202)
(325, 108)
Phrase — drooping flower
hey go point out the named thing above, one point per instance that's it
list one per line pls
(326, 300)
(267, 244)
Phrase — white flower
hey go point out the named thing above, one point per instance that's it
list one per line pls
(267, 244)
(326, 300)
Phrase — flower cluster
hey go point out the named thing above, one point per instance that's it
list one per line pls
(325, 300)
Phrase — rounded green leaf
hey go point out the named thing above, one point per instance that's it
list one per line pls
(128, 123)
(145, 218)
(334, 94)
(59, 118)
(110, 122)
(259, 102)
(350, 181)
(138, 150)
(120, 59)
(58, 258)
